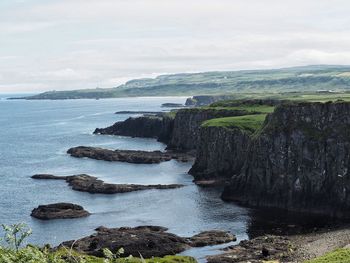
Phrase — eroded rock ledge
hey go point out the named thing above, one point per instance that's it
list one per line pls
(130, 156)
(90, 184)
(149, 241)
(59, 211)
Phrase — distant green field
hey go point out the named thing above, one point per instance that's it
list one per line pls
(250, 123)
(240, 84)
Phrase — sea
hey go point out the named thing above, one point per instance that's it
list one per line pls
(34, 138)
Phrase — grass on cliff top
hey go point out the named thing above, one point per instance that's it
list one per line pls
(250, 123)
(337, 256)
(242, 105)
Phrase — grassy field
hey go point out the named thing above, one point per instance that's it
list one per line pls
(250, 123)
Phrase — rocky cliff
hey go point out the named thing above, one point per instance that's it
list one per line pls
(221, 152)
(149, 126)
(188, 121)
(299, 161)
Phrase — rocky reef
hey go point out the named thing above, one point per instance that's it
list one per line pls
(92, 185)
(298, 161)
(149, 241)
(129, 156)
(59, 211)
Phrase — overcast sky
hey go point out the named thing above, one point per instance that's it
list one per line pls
(71, 44)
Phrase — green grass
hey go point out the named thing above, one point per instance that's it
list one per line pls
(36, 255)
(337, 256)
(248, 108)
(250, 123)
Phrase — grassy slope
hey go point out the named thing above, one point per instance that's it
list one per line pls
(337, 256)
(255, 82)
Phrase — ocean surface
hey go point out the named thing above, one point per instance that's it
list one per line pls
(34, 138)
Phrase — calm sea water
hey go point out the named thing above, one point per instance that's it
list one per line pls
(34, 138)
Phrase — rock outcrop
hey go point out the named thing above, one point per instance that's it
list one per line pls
(221, 153)
(159, 126)
(92, 185)
(149, 241)
(210, 238)
(129, 156)
(260, 249)
(300, 161)
(59, 211)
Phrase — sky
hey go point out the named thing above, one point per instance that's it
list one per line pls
(76, 44)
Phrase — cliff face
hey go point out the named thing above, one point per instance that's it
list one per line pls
(221, 153)
(206, 100)
(188, 121)
(300, 161)
(159, 127)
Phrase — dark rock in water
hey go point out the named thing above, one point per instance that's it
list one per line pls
(159, 126)
(172, 105)
(145, 240)
(149, 241)
(90, 184)
(221, 153)
(210, 238)
(300, 161)
(259, 249)
(138, 157)
(59, 211)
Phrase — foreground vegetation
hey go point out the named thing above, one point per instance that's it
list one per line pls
(13, 250)
(337, 256)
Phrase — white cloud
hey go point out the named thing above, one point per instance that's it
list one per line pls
(65, 44)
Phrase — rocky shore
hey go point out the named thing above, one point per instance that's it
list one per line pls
(129, 156)
(59, 211)
(92, 185)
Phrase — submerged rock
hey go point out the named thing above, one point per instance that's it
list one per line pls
(59, 211)
(149, 241)
(90, 184)
(260, 249)
(130, 156)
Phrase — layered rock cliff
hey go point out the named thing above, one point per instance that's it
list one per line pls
(299, 161)
(221, 152)
(188, 121)
(150, 126)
